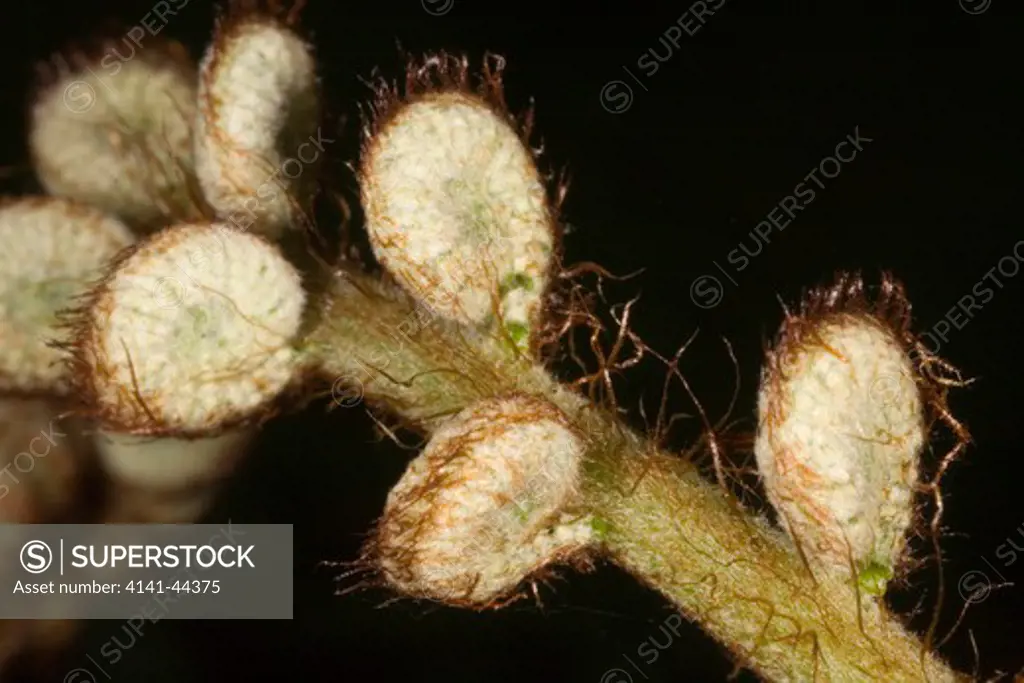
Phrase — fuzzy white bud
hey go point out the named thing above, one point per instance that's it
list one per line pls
(50, 250)
(190, 332)
(486, 504)
(118, 134)
(457, 211)
(841, 428)
(259, 106)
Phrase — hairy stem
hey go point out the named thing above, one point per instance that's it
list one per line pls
(723, 567)
(742, 580)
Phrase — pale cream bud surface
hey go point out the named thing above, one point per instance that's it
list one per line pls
(50, 251)
(486, 504)
(190, 333)
(118, 135)
(841, 429)
(457, 212)
(256, 142)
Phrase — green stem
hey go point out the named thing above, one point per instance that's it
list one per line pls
(742, 580)
(723, 567)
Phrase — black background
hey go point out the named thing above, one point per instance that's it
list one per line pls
(725, 128)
